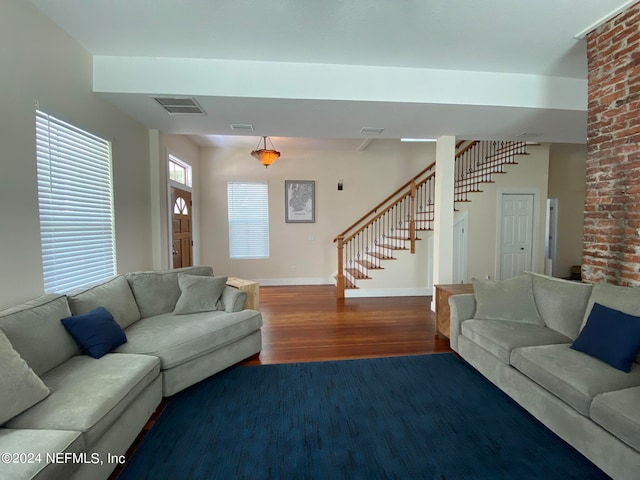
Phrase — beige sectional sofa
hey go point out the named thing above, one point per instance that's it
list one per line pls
(518, 333)
(67, 415)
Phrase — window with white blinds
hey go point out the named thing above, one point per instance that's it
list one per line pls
(76, 205)
(248, 209)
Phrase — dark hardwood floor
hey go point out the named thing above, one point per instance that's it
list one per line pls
(308, 323)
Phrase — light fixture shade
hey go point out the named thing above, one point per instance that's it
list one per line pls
(265, 156)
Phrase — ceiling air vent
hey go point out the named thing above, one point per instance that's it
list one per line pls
(525, 135)
(241, 127)
(180, 105)
(371, 131)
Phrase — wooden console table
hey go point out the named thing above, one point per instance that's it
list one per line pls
(443, 314)
(251, 288)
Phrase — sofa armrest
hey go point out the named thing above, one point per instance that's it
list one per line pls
(233, 299)
(462, 307)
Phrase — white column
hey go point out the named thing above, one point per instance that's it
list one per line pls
(158, 183)
(443, 221)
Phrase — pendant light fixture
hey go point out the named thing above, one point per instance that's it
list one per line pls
(265, 156)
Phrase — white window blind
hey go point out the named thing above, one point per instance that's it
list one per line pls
(248, 209)
(76, 205)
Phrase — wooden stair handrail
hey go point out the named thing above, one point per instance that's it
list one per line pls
(467, 147)
(377, 207)
(381, 214)
(389, 207)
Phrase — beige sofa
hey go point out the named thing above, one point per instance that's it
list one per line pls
(518, 333)
(68, 415)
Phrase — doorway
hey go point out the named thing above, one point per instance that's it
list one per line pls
(181, 223)
(551, 237)
(516, 234)
(460, 249)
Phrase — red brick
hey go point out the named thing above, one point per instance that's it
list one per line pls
(611, 249)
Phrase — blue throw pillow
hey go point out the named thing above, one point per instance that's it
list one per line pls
(611, 336)
(96, 332)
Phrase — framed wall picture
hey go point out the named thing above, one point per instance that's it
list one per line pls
(300, 201)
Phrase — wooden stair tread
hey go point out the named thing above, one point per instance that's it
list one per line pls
(381, 256)
(347, 283)
(369, 265)
(392, 247)
(465, 191)
(406, 239)
(357, 274)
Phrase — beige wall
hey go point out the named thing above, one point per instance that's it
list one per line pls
(368, 177)
(303, 253)
(529, 176)
(42, 65)
(567, 173)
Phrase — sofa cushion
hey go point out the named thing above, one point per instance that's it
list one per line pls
(611, 336)
(561, 303)
(625, 299)
(35, 332)
(510, 300)
(96, 332)
(158, 292)
(232, 299)
(574, 377)
(619, 413)
(500, 337)
(115, 295)
(89, 395)
(176, 340)
(20, 388)
(37, 444)
(199, 294)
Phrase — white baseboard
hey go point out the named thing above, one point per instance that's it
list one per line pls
(387, 292)
(348, 293)
(280, 282)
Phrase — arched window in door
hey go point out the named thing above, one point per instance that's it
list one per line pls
(180, 207)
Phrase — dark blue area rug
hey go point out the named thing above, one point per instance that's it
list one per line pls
(417, 417)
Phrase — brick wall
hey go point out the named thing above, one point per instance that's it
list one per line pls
(612, 206)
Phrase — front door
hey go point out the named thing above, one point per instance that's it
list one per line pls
(182, 238)
(516, 234)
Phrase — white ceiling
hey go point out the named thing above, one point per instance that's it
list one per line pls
(343, 65)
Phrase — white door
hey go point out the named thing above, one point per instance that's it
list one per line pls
(460, 250)
(516, 234)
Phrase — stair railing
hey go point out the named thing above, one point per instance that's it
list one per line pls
(478, 161)
(384, 228)
(411, 208)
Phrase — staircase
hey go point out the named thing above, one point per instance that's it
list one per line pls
(394, 223)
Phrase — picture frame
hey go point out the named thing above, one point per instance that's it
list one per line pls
(300, 201)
